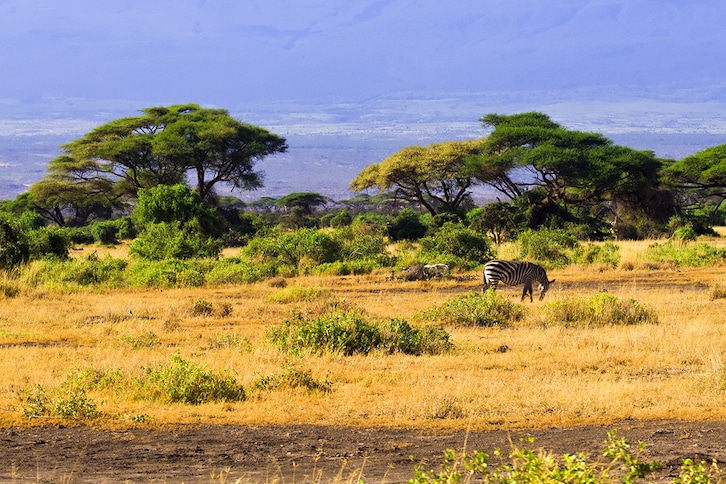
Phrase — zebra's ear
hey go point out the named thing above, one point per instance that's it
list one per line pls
(552, 281)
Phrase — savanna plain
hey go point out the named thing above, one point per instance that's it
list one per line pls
(328, 416)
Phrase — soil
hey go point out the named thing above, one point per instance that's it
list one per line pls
(314, 454)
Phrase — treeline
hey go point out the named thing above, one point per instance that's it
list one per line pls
(127, 180)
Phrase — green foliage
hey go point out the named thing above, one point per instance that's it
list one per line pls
(456, 246)
(349, 333)
(688, 255)
(606, 253)
(398, 336)
(105, 233)
(341, 219)
(181, 381)
(527, 466)
(598, 310)
(685, 233)
(49, 241)
(14, 248)
(168, 273)
(475, 309)
(172, 241)
(234, 270)
(406, 225)
(547, 247)
(70, 401)
(202, 307)
(300, 249)
(91, 270)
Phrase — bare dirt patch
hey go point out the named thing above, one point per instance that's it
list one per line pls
(311, 453)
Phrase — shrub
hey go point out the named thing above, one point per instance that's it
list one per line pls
(49, 241)
(173, 241)
(399, 336)
(475, 309)
(349, 333)
(406, 225)
(14, 248)
(105, 233)
(694, 255)
(547, 247)
(346, 332)
(598, 310)
(83, 271)
(456, 245)
(606, 253)
(182, 381)
(297, 248)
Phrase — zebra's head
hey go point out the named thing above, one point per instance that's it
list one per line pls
(544, 285)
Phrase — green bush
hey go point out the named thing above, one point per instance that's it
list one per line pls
(105, 233)
(90, 270)
(14, 248)
(456, 245)
(293, 247)
(349, 333)
(621, 465)
(547, 247)
(598, 310)
(49, 241)
(173, 241)
(475, 309)
(693, 255)
(181, 381)
(400, 336)
(170, 273)
(606, 253)
(406, 225)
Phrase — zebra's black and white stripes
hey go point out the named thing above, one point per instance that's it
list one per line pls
(513, 273)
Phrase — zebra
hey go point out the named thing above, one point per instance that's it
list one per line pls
(516, 272)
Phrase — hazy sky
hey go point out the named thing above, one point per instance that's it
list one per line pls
(231, 53)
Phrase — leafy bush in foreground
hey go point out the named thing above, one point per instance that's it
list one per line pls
(350, 333)
(598, 310)
(475, 309)
(621, 465)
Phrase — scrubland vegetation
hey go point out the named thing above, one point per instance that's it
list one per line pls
(83, 339)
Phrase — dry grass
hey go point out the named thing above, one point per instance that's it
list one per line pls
(524, 376)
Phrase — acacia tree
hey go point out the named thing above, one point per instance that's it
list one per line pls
(162, 147)
(573, 169)
(438, 176)
(701, 176)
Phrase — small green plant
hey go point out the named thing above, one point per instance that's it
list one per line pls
(185, 382)
(549, 248)
(293, 378)
(200, 307)
(606, 253)
(71, 403)
(620, 465)
(475, 309)
(598, 310)
(144, 340)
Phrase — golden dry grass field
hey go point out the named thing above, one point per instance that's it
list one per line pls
(528, 375)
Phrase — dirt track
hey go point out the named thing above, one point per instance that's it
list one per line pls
(298, 454)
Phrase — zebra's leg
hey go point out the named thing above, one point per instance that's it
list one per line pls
(527, 289)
